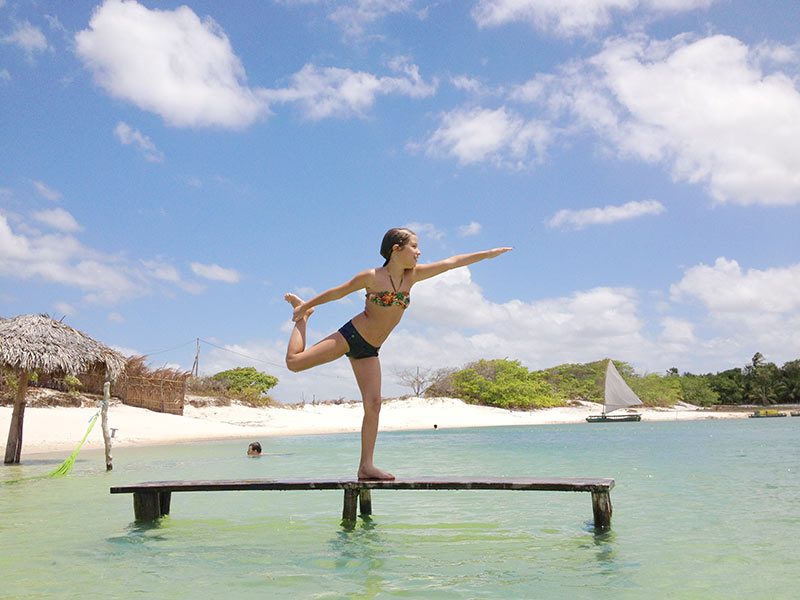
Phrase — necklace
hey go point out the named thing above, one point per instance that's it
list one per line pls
(392, 281)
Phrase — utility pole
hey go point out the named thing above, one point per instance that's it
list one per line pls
(196, 364)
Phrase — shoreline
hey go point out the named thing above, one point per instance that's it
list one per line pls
(58, 429)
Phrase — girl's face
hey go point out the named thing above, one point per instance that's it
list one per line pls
(408, 254)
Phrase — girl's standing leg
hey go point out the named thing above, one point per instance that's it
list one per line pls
(298, 358)
(368, 376)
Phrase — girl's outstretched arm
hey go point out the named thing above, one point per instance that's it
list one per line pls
(460, 260)
(360, 281)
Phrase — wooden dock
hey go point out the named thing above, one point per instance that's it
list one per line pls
(151, 500)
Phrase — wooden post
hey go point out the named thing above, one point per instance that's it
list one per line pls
(163, 503)
(601, 507)
(146, 506)
(365, 502)
(14, 443)
(104, 422)
(350, 501)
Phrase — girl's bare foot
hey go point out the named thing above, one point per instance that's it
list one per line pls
(296, 301)
(373, 473)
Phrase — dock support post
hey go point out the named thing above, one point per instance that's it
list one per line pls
(601, 507)
(350, 501)
(147, 506)
(163, 503)
(365, 502)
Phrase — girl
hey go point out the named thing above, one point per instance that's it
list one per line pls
(388, 295)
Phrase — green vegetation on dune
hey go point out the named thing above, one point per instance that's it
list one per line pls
(509, 384)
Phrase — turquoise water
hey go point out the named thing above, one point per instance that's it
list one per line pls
(703, 509)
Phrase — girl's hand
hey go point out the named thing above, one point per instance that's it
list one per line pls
(299, 312)
(498, 251)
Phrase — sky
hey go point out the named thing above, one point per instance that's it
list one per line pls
(169, 170)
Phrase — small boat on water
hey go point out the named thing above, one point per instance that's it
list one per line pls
(767, 413)
(795, 413)
(617, 395)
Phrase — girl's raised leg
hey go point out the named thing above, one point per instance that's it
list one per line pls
(298, 358)
(368, 376)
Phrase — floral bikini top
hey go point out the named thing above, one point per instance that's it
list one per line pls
(391, 297)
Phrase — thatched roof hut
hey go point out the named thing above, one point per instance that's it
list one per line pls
(37, 343)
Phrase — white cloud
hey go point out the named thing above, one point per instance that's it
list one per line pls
(127, 135)
(58, 218)
(425, 230)
(454, 319)
(171, 63)
(569, 18)
(468, 84)
(63, 260)
(728, 292)
(704, 108)
(748, 311)
(215, 272)
(354, 16)
(334, 92)
(578, 219)
(474, 135)
(27, 37)
(5, 75)
(46, 192)
(162, 270)
(64, 308)
(115, 317)
(474, 228)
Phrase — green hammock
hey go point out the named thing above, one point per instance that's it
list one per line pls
(66, 466)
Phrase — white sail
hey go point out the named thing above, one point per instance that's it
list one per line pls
(618, 394)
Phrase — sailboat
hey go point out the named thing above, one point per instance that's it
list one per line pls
(617, 395)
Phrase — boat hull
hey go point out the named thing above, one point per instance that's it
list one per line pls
(613, 418)
(767, 414)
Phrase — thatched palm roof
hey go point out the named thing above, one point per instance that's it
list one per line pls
(39, 343)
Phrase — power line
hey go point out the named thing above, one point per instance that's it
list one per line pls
(261, 360)
(168, 349)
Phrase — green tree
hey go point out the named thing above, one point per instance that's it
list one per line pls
(788, 387)
(656, 390)
(761, 379)
(247, 384)
(696, 389)
(503, 383)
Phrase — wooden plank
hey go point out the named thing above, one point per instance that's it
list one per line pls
(562, 484)
(151, 499)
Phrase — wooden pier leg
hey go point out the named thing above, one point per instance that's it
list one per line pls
(365, 502)
(350, 502)
(146, 506)
(163, 502)
(601, 507)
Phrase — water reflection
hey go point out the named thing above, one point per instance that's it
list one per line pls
(360, 552)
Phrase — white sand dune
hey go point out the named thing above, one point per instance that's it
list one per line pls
(59, 429)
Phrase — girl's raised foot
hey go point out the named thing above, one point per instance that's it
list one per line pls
(296, 301)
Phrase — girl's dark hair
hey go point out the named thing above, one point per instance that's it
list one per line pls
(396, 235)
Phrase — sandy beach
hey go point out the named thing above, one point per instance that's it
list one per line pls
(58, 429)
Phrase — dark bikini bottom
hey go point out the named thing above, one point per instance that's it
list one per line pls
(359, 347)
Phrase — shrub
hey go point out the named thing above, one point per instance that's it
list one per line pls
(503, 383)
(247, 385)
